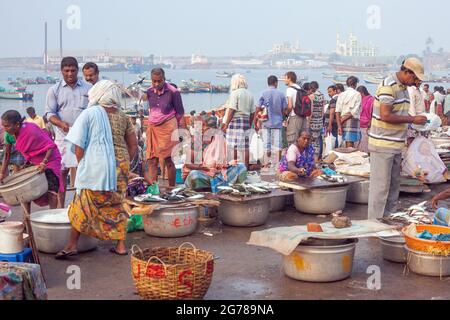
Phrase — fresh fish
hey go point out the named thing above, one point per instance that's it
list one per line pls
(196, 197)
(399, 214)
(225, 188)
(177, 190)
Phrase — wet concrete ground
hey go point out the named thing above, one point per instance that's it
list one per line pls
(247, 272)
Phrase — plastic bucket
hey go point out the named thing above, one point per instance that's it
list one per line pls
(11, 237)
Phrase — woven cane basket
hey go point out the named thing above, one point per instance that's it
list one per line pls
(166, 273)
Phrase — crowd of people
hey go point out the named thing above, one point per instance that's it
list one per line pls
(85, 134)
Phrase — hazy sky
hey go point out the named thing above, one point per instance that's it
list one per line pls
(221, 28)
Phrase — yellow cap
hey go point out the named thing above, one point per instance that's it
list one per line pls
(416, 66)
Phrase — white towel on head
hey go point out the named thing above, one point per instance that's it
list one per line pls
(105, 93)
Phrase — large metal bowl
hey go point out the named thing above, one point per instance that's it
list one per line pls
(172, 222)
(52, 235)
(427, 264)
(321, 201)
(278, 203)
(321, 260)
(359, 192)
(393, 249)
(244, 214)
(25, 186)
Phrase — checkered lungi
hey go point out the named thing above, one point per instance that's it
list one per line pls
(236, 133)
(352, 130)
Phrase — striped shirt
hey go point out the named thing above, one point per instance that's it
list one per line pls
(388, 137)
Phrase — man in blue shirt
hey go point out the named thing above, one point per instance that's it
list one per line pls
(65, 102)
(273, 104)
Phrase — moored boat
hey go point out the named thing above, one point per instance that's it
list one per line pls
(224, 74)
(15, 95)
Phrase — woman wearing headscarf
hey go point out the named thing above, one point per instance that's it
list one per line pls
(104, 141)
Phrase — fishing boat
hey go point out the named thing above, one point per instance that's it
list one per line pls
(195, 86)
(15, 95)
(339, 80)
(220, 89)
(371, 79)
(327, 75)
(20, 89)
(224, 74)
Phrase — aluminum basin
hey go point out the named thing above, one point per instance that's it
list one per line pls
(427, 264)
(171, 223)
(25, 186)
(321, 201)
(244, 214)
(52, 234)
(321, 260)
(278, 203)
(359, 192)
(393, 249)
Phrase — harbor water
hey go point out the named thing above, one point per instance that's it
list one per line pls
(257, 80)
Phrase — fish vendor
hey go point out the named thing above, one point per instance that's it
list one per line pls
(214, 170)
(38, 149)
(299, 160)
(166, 115)
(442, 216)
(104, 141)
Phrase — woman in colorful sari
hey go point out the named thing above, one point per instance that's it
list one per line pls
(104, 141)
(38, 149)
(299, 160)
(214, 170)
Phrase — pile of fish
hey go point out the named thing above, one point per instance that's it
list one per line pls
(244, 190)
(176, 195)
(332, 178)
(416, 214)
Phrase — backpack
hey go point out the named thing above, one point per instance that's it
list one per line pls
(302, 105)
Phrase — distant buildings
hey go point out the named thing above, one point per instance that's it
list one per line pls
(285, 48)
(199, 61)
(101, 57)
(352, 48)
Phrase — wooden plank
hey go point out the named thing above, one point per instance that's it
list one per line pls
(273, 194)
(31, 238)
(314, 183)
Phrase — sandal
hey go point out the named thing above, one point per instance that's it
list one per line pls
(113, 250)
(63, 255)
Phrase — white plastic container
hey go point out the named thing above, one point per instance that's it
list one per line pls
(11, 237)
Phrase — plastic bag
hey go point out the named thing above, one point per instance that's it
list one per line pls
(153, 189)
(135, 223)
(422, 157)
(256, 148)
(434, 122)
